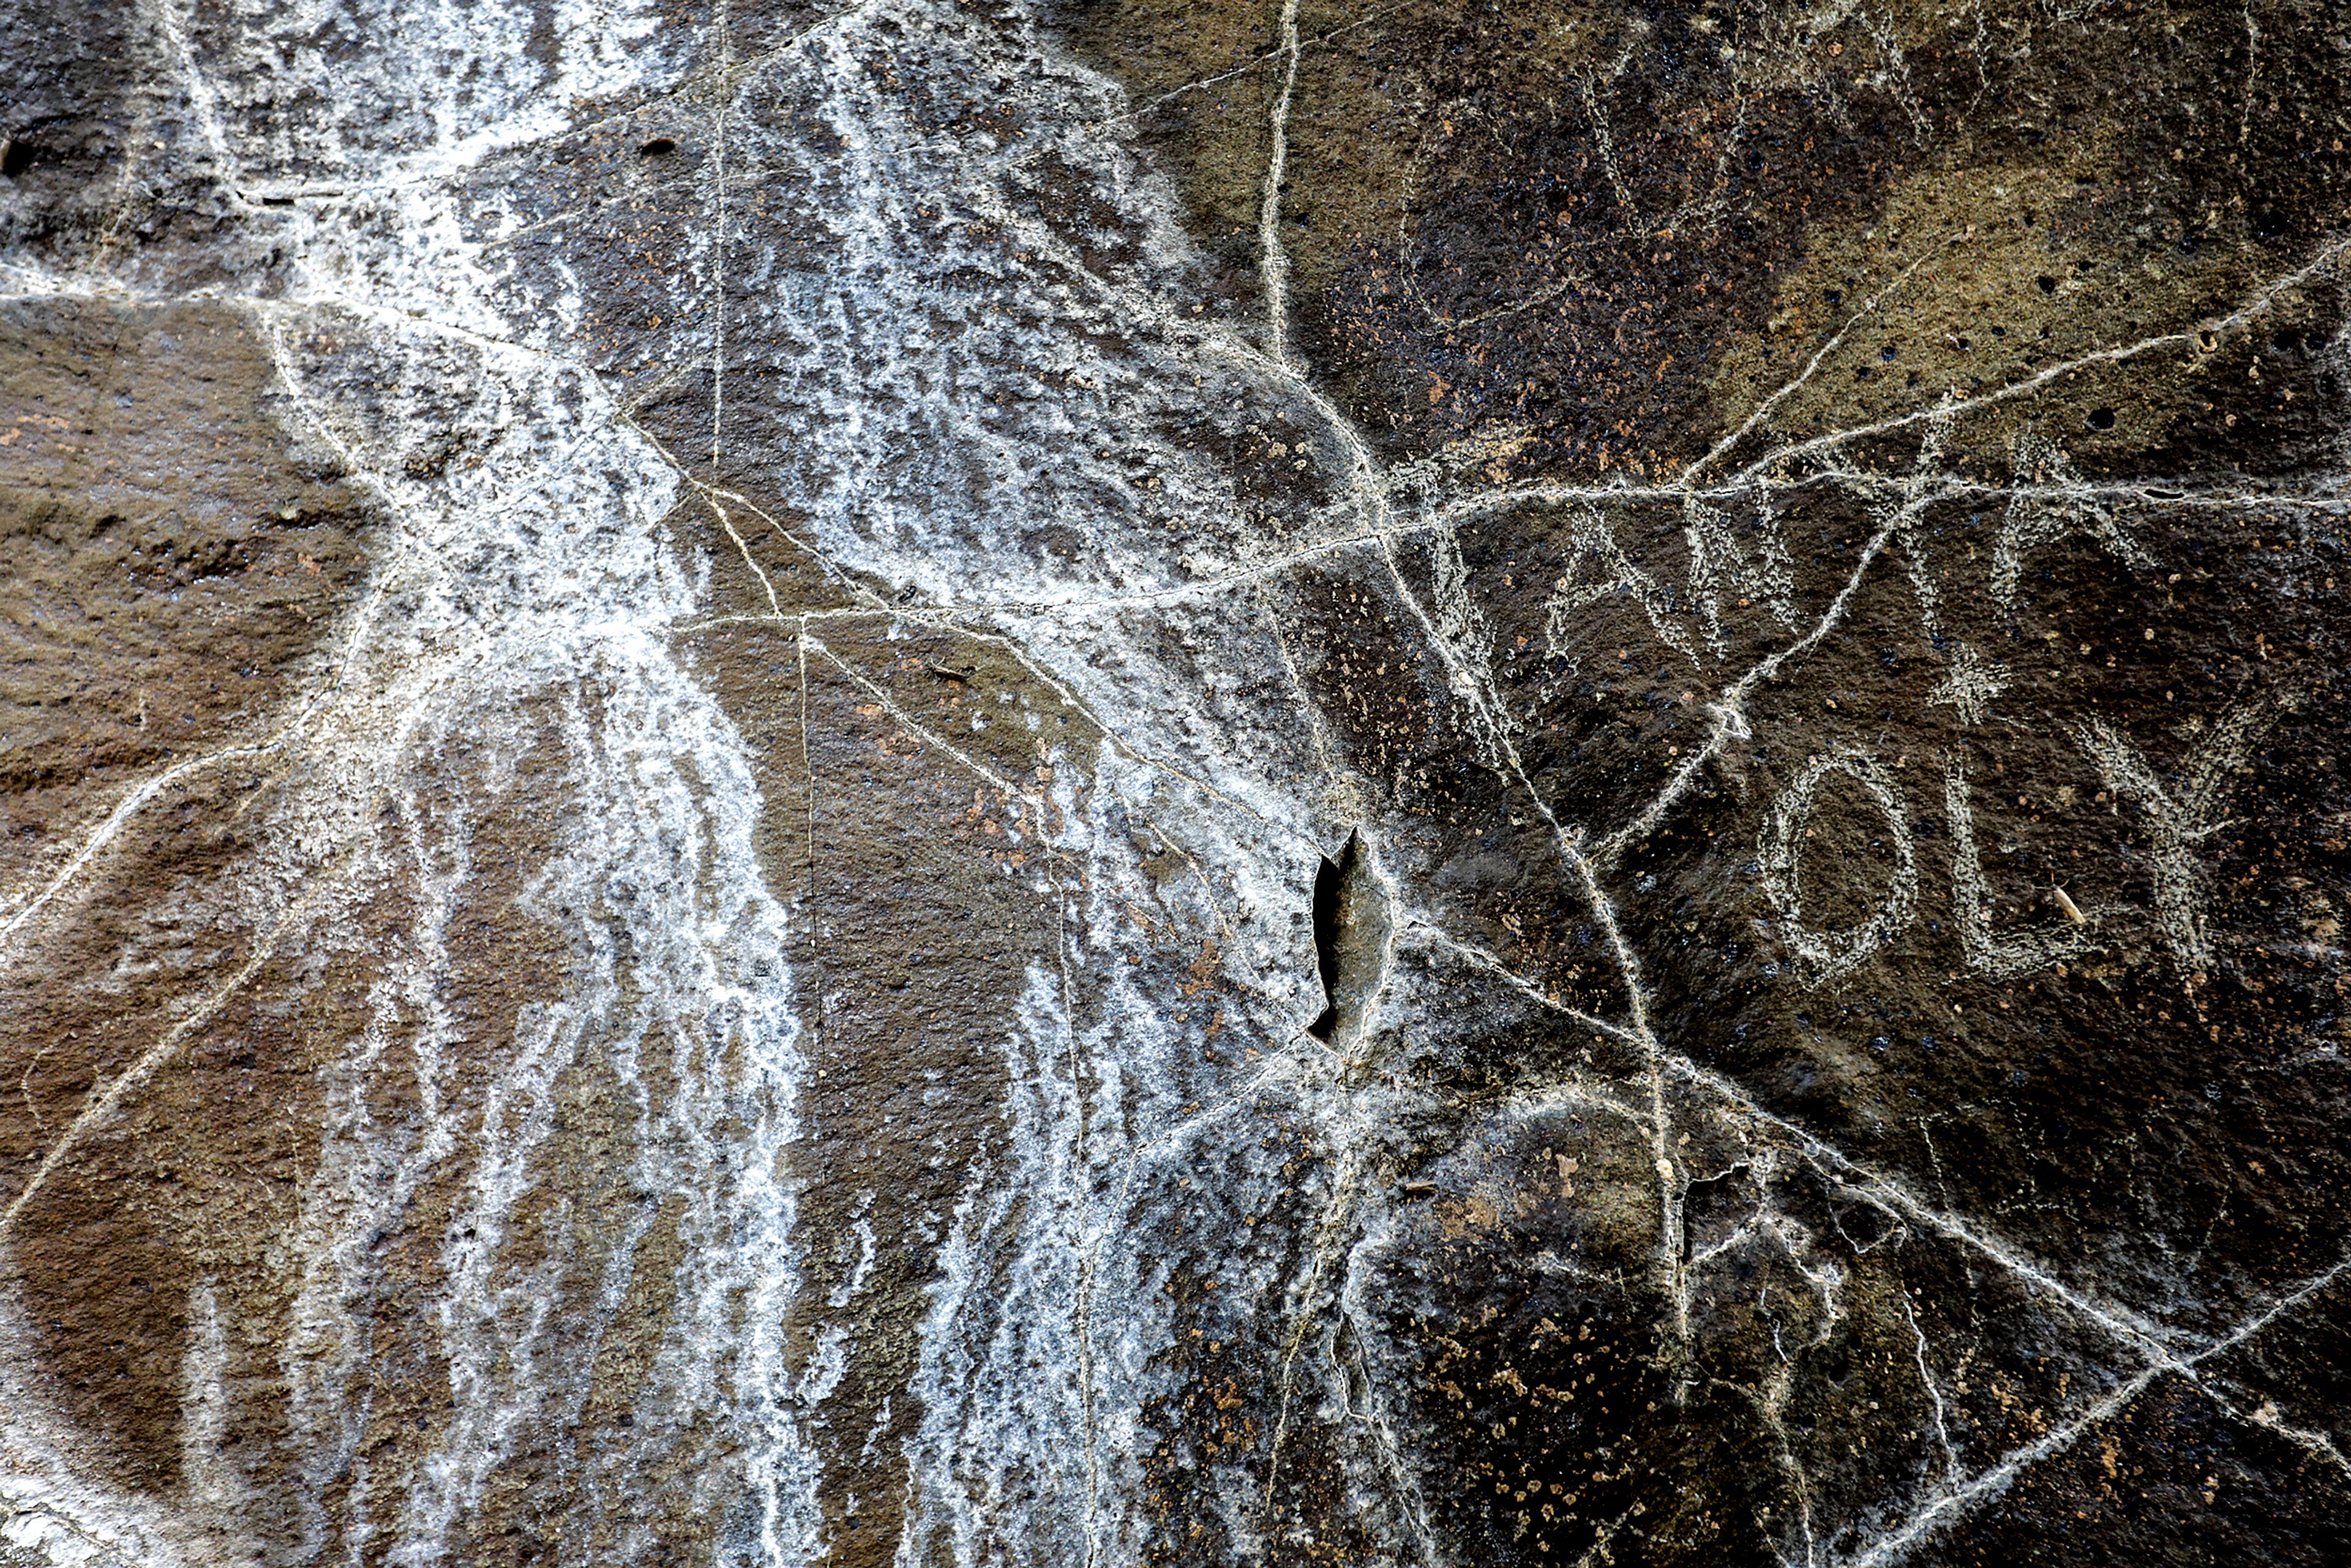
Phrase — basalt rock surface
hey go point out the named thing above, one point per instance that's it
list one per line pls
(1128, 782)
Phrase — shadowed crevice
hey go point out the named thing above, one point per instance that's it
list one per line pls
(1350, 928)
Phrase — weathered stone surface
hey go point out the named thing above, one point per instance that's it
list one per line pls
(1117, 783)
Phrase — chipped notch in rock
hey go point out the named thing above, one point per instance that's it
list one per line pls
(1353, 920)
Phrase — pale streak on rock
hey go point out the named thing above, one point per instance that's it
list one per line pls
(1954, 1501)
(107, 1104)
(2256, 305)
(1273, 260)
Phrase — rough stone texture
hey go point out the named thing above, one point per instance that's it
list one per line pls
(1127, 782)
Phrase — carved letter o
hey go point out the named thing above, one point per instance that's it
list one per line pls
(1826, 956)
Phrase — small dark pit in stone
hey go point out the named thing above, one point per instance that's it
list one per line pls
(2101, 419)
(657, 147)
(2046, 284)
(17, 155)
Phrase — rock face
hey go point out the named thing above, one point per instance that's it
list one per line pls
(1189, 784)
